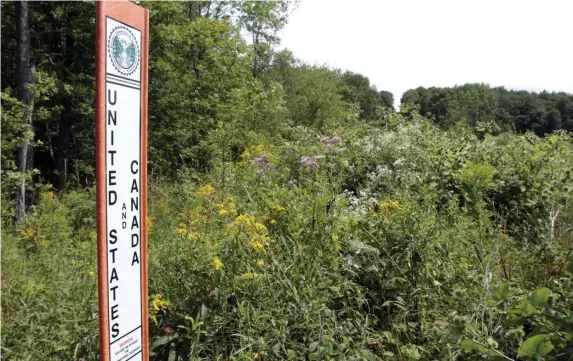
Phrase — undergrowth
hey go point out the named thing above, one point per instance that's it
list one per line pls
(404, 243)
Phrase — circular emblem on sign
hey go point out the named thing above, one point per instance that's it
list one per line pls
(123, 50)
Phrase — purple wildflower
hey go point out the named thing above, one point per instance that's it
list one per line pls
(308, 162)
(331, 141)
(263, 161)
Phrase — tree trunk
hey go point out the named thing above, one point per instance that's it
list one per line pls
(62, 147)
(24, 77)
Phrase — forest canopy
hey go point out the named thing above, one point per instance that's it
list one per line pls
(510, 110)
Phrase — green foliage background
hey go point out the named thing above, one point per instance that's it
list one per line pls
(509, 110)
(293, 213)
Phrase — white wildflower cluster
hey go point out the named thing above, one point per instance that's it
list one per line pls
(354, 206)
(379, 174)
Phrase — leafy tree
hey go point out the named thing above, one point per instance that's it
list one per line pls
(312, 93)
(412, 97)
(387, 99)
(472, 103)
(360, 91)
(194, 68)
(262, 20)
(62, 42)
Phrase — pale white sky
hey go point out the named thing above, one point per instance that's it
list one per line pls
(402, 44)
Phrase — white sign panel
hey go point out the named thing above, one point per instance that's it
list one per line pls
(123, 181)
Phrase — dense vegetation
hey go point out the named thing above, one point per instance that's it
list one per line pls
(479, 105)
(293, 213)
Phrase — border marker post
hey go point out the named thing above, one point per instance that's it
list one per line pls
(122, 45)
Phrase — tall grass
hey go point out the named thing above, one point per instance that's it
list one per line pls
(398, 244)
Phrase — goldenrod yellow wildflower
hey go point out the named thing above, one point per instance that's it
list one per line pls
(390, 206)
(246, 154)
(205, 191)
(257, 232)
(258, 244)
(245, 219)
(278, 208)
(243, 223)
(259, 149)
(150, 224)
(158, 303)
(260, 263)
(261, 228)
(336, 242)
(231, 206)
(26, 233)
(226, 208)
(181, 231)
(218, 263)
(249, 276)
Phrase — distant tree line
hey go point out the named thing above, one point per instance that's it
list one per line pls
(510, 110)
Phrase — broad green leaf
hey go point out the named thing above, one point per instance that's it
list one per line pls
(162, 340)
(471, 346)
(312, 346)
(540, 297)
(536, 346)
(291, 354)
(523, 309)
(502, 292)
(172, 355)
(412, 351)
